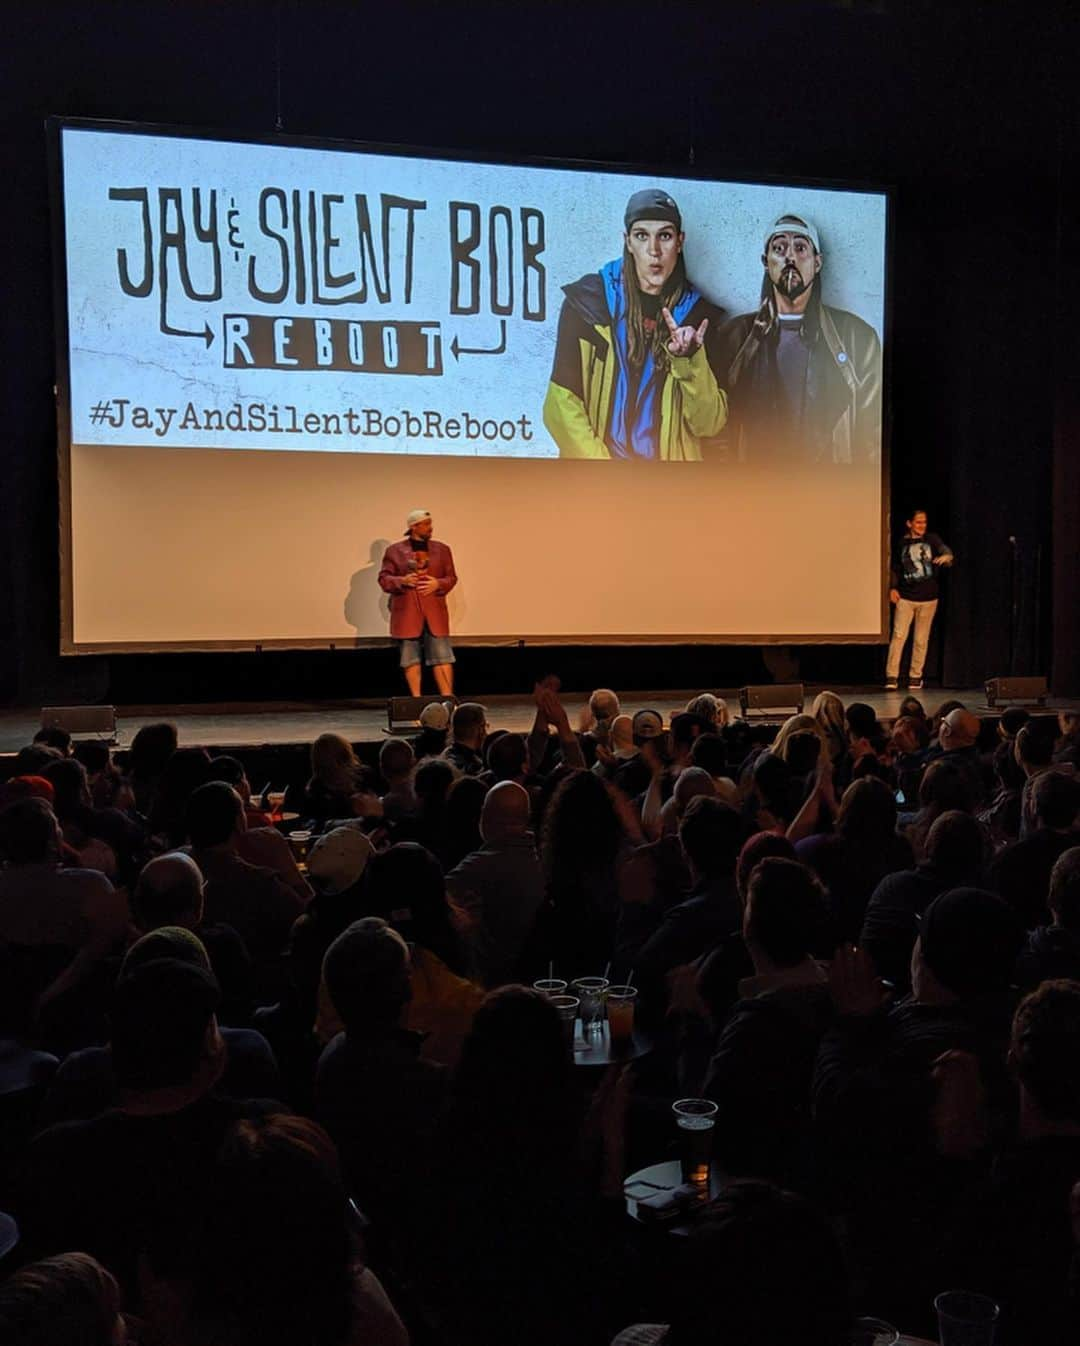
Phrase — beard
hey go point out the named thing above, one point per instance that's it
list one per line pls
(791, 284)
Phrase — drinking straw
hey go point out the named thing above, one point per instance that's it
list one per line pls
(607, 971)
(630, 979)
(551, 970)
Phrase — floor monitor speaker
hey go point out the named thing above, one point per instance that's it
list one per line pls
(771, 698)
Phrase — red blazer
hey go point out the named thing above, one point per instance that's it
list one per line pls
(408, 610)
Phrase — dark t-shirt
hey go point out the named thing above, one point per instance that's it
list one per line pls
(914, 574)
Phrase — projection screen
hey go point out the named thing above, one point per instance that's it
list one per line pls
(640, 407)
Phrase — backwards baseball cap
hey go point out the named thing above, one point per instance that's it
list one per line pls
(647, 724)
(652, 204)
(416, 516)
(338, 859)
(970, 939)
(793, 224)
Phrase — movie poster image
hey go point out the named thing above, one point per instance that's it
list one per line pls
(237, 295)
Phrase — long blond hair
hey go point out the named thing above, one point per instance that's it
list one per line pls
(828, 711)
(797, 724)
(711, 708)
(333, 763)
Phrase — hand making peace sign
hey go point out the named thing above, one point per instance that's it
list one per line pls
(684, 340)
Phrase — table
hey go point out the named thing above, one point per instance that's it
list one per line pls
(666, 1176)
(596, 1048)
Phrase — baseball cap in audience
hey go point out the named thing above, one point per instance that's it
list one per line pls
(647, 724)
(435, 715)
(338, 859)
(970, 940)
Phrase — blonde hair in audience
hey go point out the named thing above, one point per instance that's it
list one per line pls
(334, 763)
(828, 711)
(711, 708)
(797, 724)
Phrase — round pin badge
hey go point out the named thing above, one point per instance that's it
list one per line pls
(841, 358)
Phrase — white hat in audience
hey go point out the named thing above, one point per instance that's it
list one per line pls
(435, 715)
(338, 859)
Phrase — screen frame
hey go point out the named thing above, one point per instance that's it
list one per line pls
(55, 126)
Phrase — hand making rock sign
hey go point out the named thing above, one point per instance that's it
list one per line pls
(684, 340)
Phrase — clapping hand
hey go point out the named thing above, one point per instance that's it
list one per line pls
(546, 696)
(684, 340)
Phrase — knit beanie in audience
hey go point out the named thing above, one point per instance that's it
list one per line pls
(160, 1013)
(970, 940)
(167, 941)
(26, 787)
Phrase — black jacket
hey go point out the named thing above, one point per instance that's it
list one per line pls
(760, 1077)
(841, 415)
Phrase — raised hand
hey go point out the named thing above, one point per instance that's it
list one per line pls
(684, 340)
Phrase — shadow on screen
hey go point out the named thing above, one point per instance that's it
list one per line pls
(367, 608)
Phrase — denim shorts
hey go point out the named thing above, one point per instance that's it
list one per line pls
(437, 650)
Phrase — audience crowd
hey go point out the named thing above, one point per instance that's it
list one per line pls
(303, 1092)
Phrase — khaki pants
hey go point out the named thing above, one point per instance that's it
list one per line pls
(923, 616)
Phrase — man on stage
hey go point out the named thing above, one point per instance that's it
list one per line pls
(913, 592)
(418, 574)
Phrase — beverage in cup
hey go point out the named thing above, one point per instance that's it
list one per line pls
(299, 842)
(619, 1001)
(695, 1118)
(275, 799)
(590, 991)
(567, 1005)
(550, 986)
(966, 1319)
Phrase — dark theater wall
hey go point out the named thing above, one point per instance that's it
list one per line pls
(963, 108)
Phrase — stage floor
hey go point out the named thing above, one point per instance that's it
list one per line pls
(270, 723)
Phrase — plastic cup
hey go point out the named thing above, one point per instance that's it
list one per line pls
(966, 1319)
(550, 986)
(619, 1001)
(873, 1332)
(590, 991)
(567, 1005)
(299, 841)
(695, 1118)
(275, 799)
